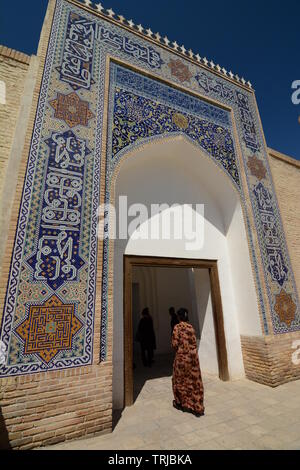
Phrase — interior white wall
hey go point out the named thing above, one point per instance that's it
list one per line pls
(207, 346)
(242, 275)
(175, 171)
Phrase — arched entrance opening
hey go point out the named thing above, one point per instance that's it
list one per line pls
(174, 171)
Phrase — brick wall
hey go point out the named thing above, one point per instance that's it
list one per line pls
(268, 359)
(13, 70)
(51, 407)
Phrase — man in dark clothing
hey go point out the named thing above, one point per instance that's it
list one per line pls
(146, 336)
(174, 318)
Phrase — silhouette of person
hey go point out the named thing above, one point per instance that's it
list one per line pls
(146, 336)
(174, 318)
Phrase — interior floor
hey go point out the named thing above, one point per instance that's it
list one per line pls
(162, 367)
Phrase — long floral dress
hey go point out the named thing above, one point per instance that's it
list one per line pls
(186, 380)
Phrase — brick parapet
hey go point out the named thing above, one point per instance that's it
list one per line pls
(14, 55)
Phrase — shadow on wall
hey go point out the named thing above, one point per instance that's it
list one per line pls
(4, 441)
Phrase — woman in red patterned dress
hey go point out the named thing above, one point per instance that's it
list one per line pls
(186, 380)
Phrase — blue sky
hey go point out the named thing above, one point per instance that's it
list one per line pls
(257, 39)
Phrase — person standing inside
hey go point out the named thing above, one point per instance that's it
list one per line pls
(146, 336)
(186, 380)
(174, 318)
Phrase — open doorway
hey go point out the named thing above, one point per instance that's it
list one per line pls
(159, 283)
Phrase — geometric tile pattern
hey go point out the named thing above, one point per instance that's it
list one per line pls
(180, 70)
(48, 319)
(71, 109)
(256, 167)
(285, 307)
(49, 328)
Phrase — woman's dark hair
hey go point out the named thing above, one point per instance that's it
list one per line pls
(183, 314)
(145, 311)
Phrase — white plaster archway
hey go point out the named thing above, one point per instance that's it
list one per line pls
(173, 170)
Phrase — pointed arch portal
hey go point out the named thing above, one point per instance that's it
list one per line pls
(173, 170)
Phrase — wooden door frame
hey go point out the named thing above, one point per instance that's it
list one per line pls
(150, 261)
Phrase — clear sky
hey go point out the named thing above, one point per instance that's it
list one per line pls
(257, 39)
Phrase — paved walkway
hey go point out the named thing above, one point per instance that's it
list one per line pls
(239, 415)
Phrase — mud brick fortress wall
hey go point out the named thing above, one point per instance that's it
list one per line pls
(17, 78)
(13, 71)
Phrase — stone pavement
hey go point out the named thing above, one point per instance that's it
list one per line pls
(239, 415)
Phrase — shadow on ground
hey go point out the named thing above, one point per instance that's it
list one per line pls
(162, 367)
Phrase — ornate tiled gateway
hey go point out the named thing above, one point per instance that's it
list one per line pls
(48, 319)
